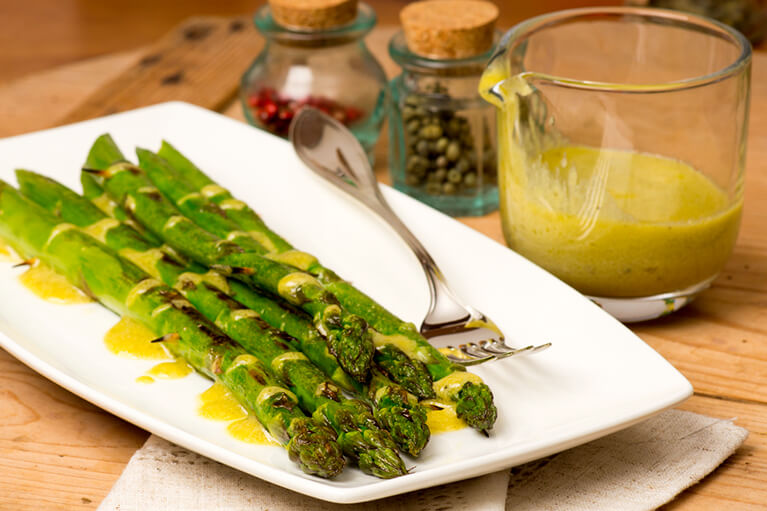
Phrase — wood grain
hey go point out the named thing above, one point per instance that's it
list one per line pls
(58, 452)
(200, 62)
(36, 35)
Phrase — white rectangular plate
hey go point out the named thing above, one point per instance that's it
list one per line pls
(597, 378)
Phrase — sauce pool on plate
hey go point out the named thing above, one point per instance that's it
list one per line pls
(441, 417)
(129, 338)
(217, 403)
(50, 286)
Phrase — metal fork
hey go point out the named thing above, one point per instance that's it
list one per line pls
(332, 152)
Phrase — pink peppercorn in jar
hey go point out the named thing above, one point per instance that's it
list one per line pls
(315, 55)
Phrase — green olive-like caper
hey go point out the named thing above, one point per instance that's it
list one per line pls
(412, 162)
(433, 188)
(441, 161)
(470, 179)
(453, 151)
(454, 176)
(449, 188)
(462, 165)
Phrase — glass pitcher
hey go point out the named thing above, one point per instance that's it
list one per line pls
(621, 146)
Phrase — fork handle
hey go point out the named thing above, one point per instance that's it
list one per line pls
(443, 303)
(355, 176)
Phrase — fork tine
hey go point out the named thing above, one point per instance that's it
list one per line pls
(540, 348)
(467, 362)
(527, 350)
(473, 350)
(498, 347)
(521, 351)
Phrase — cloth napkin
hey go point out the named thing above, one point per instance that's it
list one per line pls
(637, 469)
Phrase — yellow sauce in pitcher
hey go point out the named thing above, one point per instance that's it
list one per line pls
(610, 223)
(617, 223)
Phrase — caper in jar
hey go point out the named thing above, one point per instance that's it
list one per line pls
(441, 155)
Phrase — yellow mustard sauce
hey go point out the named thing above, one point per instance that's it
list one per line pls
(217, 403)
(608, 222)
(289, 285)
(657, 226)
(130, 339)
(446, 387)
(454, 352)
(105, 204)
(170, 370)
(441, 417)
(295, 258)
(251, 431)
(50, 286)
(6, 253)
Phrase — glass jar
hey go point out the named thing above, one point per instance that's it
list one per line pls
(622, 141)
(442, 134)
(329, 69)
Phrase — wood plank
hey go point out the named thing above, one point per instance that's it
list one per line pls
(56, 450)
(200, 62)
(39, 101)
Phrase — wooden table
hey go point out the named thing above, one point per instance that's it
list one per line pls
(59, 452)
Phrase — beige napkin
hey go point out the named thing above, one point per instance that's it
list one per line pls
(637, 469)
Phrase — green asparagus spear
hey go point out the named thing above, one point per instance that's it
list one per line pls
(474, 400)
(411, 374)
(193, 205)
(101, 155)
(236, 210)
(126, 289)
(359, 435)
(398, 411)
(278, 314)
(73, 208)
(207, 292)
(347, 335)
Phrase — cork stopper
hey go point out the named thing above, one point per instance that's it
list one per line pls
(313, 14)
(449, 29)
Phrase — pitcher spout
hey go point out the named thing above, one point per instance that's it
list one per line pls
(498, 86)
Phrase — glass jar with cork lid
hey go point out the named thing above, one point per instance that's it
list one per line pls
(442, 135)
(315, 55)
